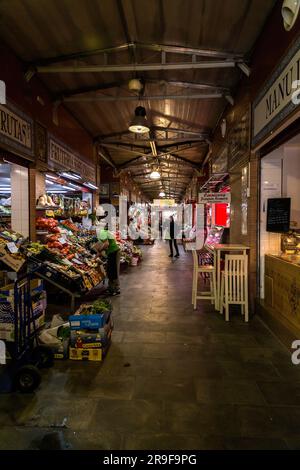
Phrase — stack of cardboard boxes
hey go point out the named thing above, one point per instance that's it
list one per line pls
(90, 335)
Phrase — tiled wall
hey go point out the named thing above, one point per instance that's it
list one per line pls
(270, 187)
(236, 235)
(19, 200)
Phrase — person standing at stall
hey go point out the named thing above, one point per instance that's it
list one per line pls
(107, 242)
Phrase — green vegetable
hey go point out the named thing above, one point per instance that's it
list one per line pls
(101, 306)
(63, 332)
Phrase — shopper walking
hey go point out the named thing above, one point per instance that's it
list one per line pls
(173, 236)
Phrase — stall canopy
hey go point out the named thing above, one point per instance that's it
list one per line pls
(188, 57)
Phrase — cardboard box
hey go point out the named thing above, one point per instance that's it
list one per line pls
(90, 339)
(85, 354)
(61, 350)
(36, 289)
(7, 330)
(10, 261)
(89, 322)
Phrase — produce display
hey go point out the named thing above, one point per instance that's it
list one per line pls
(64, 256)
(91, 328)
(47, 224)
(5, 206)
(45, 201)
(140, 232)
(69, 225)
(12, 249)
(129, 252)
(64, 205)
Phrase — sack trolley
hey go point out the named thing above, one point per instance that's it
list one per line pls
(24, 355)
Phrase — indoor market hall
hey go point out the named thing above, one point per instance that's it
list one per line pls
(149, 232)
(174, 378)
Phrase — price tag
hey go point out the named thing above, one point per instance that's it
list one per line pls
(12, 247)
(76, 261)
(62, 240)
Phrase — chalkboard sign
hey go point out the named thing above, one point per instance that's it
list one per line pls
(278, 215)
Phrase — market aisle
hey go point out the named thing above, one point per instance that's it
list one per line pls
(173, 378)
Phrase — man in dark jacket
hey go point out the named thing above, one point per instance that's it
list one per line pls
(173, 235)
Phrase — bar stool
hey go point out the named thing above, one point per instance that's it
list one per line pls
(210, 272)
(234, 285)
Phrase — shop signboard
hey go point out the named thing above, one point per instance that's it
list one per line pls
(16, 131)
(214, 198)
(62, 157)
(164, 202)
(278, 99)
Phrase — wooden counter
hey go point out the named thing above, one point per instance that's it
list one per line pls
(282, 292)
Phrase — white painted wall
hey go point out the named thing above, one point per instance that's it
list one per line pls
(19, 200)
(280, 177)
(270, 187)
(291, 180)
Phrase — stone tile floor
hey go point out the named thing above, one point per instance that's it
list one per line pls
(174, 378)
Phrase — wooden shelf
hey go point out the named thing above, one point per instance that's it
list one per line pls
(47, 208)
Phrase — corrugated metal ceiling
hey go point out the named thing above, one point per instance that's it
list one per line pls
(40, 29)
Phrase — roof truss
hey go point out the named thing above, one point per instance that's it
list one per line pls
(216, 59)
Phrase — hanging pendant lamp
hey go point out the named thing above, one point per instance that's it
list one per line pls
(139, 123)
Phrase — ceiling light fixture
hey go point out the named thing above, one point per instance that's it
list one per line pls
(154, 175)
(52, 177)
(68, 188)
(90, 185)
(223, 127)
(139, 123)
(72, 175)
(135, 84)
(74, 186)
(162, 194)
(289, 12)
(56, 191)
(49, 182)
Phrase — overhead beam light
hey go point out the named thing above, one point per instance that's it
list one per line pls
(139, 123)
(56, 191)
(52, 177)
(90, 185)
(72, 175)
(49, 182)
(74, 186)
(162, 194)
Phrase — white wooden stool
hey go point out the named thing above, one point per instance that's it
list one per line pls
(234, 285)
(201, 269)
